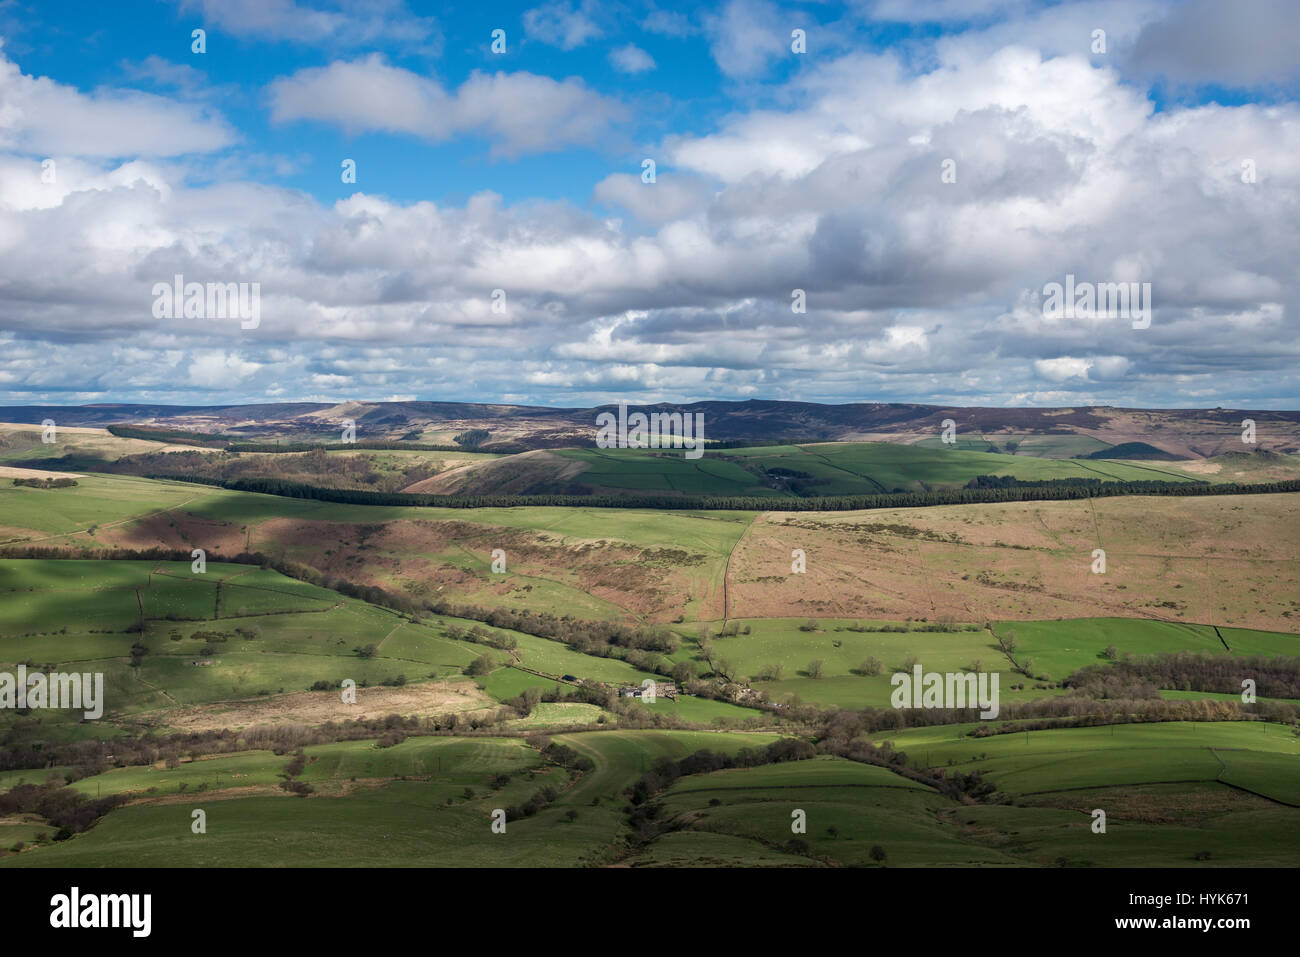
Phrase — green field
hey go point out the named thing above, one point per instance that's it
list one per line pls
(849, 468)
(1229, 789)
(1255, 756)
(240, 645)
(1057, 648)
(98, 501)
(274, 635)
(1061, 647)
(426, 820)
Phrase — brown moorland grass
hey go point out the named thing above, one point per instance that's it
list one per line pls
(1226, 559)
(1220, 558)
(317, 707)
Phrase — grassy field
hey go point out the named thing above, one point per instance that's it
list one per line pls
(241, 645)
(98, 503)
(1255, 756)
(270, 636)
(1057, 648)
(365, 815)
(1171, 791)
(1226, 802)
(1221, 559)
(262, 636)
(19, 442)
(1061, 647)
(850, 808)
(847, 468)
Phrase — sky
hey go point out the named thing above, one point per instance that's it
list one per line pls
(859, 202)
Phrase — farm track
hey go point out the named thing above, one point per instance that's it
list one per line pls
(726, 571)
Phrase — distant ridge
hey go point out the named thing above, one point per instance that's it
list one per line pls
(1154, 433)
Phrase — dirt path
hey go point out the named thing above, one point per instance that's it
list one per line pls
(726, 571)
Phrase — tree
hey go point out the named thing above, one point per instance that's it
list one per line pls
(369, 651)
(685, 671)
(871, 666)
(816, 668)
(878, 854)
(481, 665)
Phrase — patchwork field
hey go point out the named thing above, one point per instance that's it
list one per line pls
(363, 812)
(778, 654)
(1216, 558)
(1174, 795)
(235, 651)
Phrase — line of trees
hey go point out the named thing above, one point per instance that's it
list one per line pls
(45, 482)
(1275, 676)
(963, 496)
(665, 771)
(178, 436)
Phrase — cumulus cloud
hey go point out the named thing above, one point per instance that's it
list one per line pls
(41, 115)
(943, 11)
(340, 23)
(1240, 44)
(563, 25)
(746, 36)
(631, 59)
(917, 287)
(519, 112)
(670, 197)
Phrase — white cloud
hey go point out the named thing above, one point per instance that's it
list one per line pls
(669, 197)
(340, 23)
(631, 59)
(519, 112)
(220, 370)
(40, 115)
(917, 289)
(1064, 368)
(747, 36)
(1245, 43)
(668, 23)
(561, 24)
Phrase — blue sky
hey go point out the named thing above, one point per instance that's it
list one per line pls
(776, 170)
(91, 44)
